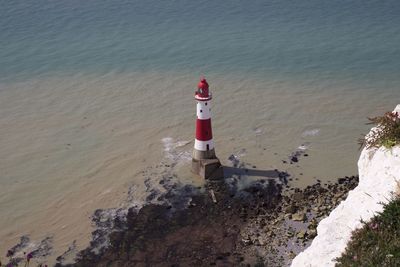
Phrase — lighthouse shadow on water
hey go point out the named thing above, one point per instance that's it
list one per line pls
(230, 171)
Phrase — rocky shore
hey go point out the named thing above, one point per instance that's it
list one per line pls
(266, 223)
(250, 218)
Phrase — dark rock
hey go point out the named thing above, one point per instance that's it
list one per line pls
(299, 217)
(312, 233)
(301, 234)
(291, 209)
(298, 196)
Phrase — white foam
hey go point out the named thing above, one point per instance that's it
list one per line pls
(258, 131)
(241, 153)
(172, 152)
(303, 147)
(312, 132)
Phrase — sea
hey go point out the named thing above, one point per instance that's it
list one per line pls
(96, 97)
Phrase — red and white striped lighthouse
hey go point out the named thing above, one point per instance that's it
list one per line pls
(205, 163)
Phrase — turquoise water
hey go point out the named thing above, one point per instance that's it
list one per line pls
(93, 94)
(285, 39)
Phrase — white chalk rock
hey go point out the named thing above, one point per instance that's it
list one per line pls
(379, 173)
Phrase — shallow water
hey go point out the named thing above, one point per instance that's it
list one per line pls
(94, 93)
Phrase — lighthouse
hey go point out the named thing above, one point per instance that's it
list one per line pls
(204, 161)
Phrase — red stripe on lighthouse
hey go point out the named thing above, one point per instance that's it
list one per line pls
(203, 130)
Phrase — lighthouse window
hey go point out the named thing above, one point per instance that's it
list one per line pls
(201, 110)
(208, 147)
(206, 103)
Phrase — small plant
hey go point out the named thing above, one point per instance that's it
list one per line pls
(387, 132)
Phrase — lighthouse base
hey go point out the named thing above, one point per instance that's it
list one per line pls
(208, 168)
(200, 155)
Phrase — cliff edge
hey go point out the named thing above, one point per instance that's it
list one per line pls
(379, 174)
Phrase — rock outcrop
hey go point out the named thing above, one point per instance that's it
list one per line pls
(379, 179)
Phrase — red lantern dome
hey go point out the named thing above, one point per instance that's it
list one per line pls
(202, 89)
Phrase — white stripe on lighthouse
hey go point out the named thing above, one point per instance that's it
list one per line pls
(202, 145)
(203, 110)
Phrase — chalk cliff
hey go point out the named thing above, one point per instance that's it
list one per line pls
(379, 174)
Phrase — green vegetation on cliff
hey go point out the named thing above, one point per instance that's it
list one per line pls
(387, 134)
(377, 243)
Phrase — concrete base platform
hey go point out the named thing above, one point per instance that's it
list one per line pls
(208, 168)
(200, 155)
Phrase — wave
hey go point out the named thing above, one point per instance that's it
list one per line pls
(312, 132)
(174, 150)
